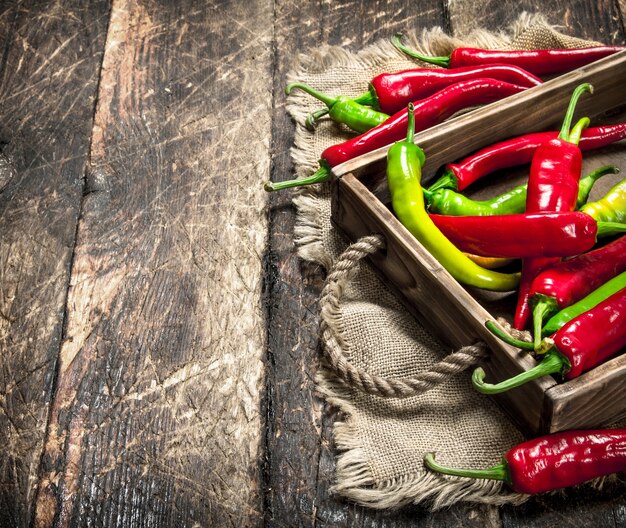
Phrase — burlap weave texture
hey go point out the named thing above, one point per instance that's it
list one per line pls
(382, 441)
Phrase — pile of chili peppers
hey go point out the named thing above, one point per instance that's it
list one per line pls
(571, 289)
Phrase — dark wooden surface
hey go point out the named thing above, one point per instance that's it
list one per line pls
(158, 334)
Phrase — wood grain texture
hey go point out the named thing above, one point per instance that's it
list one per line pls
(598, 21)
(156, 418)
(50, 61)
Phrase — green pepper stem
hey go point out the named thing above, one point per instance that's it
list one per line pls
(321, 175)
(438, 61)
(577, 130)
(552, 363)
(367, 99)
(312, 118)
(609, 228)
(447, 180)
(569, 114)
(410, 125)
(428, 194)
(498, 472)
(586, 184)
(328, 100)
(543, 306)
(507, 338)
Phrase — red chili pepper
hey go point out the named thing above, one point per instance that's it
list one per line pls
(428, 112)
(552, 186)
(581, 344)
(558, 234)
(539, 62)
(553, 462)
(517, 151)
(391, 92)
(566, 282)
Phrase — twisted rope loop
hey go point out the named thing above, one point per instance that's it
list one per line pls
(334, 343)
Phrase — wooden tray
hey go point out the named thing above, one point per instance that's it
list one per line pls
(456, 313)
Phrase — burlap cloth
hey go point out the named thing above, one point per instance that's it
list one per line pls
(382, 441)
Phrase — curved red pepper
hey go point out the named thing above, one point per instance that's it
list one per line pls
(552, 186)
(539, 62)
(554, 461)
(564, 283)
(558, 234)
(517, 151)
(391, 92)
(428, 112)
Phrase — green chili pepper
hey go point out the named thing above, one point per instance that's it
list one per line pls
(404, 167)
(449, 202)
(585, 304)
(342, 109)
(611, 207)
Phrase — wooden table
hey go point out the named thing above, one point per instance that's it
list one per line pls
(158, 334)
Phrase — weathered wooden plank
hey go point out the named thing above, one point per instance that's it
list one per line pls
(156, 418)
(581, 18)
(50, 60)
(582, 506)
(293, 414)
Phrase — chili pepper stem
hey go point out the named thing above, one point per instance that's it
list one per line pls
(428, 195)
(507, 338)
(610, 228)
(321, 175)
(312, 118)
(326, 99)
(543, 307)
(586, 184)
(552, 363)
(444, 61)
(410, 125)
(497, 472)
(577, 130)
(569, 114)
(368, 99)
(446, 181)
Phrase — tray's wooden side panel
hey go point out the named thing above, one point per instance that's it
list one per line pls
(434, 296)
(591, 400)
(536, 109)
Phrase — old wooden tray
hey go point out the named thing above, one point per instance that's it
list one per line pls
(456, 313)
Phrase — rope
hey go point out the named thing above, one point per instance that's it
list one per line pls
(334, 344)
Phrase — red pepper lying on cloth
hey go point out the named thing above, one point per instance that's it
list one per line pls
(525, 235)
(428, 112)
(391, 92)
(517, 151)
(552, 186)
(583, 343)
(539, 62)
(553, 462)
